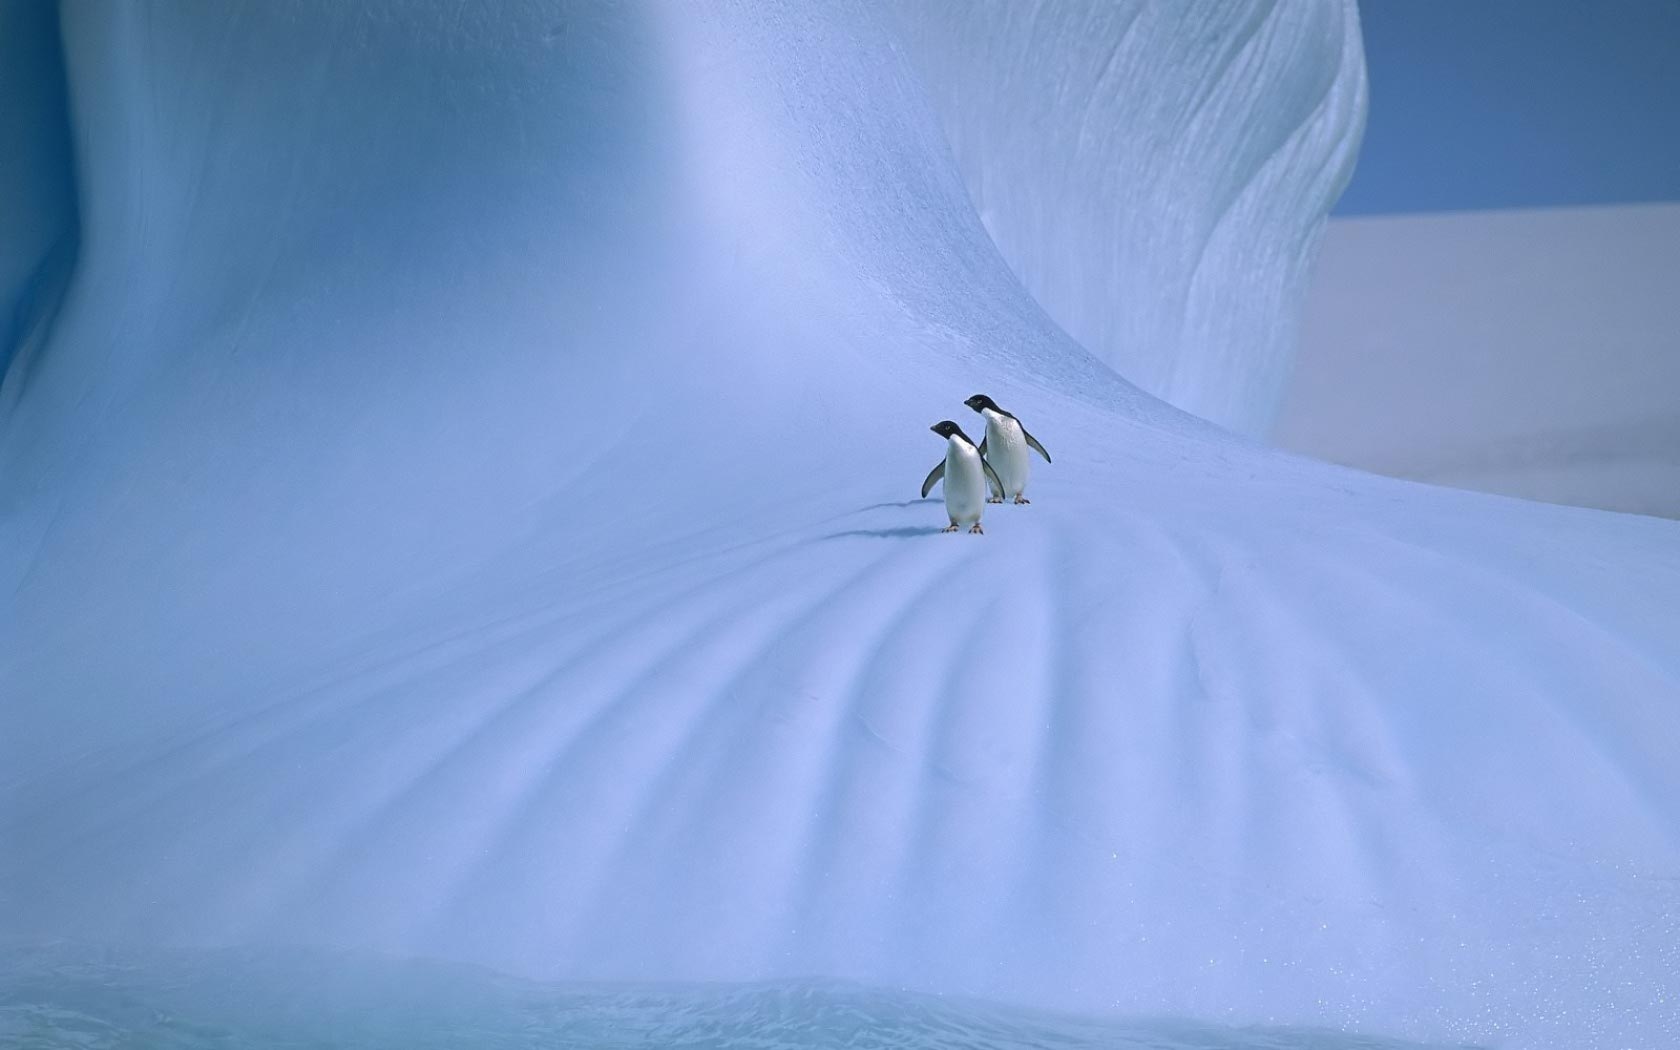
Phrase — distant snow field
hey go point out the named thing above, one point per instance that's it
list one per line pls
(1530, 353)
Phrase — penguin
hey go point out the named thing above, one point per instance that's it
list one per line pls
(1005, 448)
(967, 476)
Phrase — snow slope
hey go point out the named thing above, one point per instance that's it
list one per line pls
(464, 509)
(1531, 353)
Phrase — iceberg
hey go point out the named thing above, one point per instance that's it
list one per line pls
(462, 506)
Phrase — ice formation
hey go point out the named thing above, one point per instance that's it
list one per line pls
(76, 996)
(464, 508)
(1157, 175)
(37, 195)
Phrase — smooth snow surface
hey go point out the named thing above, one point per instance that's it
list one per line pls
(1529, 353)
(464, 509)
(1157, 174)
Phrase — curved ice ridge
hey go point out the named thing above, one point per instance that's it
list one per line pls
(463, 508)
(1156, 174)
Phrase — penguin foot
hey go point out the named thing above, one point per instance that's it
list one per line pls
(1020, 499)
(976, 529)
(950, 528)
(995, 499)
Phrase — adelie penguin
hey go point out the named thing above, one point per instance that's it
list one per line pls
(966, 475)
(1005, 449)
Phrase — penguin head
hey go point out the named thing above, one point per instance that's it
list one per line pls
(945, 428)
(981, 401)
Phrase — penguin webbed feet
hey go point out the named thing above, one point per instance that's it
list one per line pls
(1020, 499)
(975, 529)
(995, 499)
(950, 528)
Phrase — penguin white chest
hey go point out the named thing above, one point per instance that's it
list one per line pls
(965, 482)
(1006, 451)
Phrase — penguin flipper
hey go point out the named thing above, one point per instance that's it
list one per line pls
(1032, 441)
(934, 475)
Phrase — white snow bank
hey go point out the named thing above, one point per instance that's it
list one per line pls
(1530, 353)
(1157, 175)
(463, 510)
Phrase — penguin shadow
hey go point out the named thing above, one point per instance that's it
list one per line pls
(903, 532)
(900, 503)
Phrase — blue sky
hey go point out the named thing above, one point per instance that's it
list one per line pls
(1518, 103)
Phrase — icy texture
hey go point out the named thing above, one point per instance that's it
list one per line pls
(464, 509)
(70, 997)
(1157, 174)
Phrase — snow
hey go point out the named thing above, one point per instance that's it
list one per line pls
(464, 509)
(1529, 353)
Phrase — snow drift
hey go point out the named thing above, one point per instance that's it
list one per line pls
(463, 508)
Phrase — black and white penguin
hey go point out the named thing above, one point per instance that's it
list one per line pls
(966, 474)
(1005, 449)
